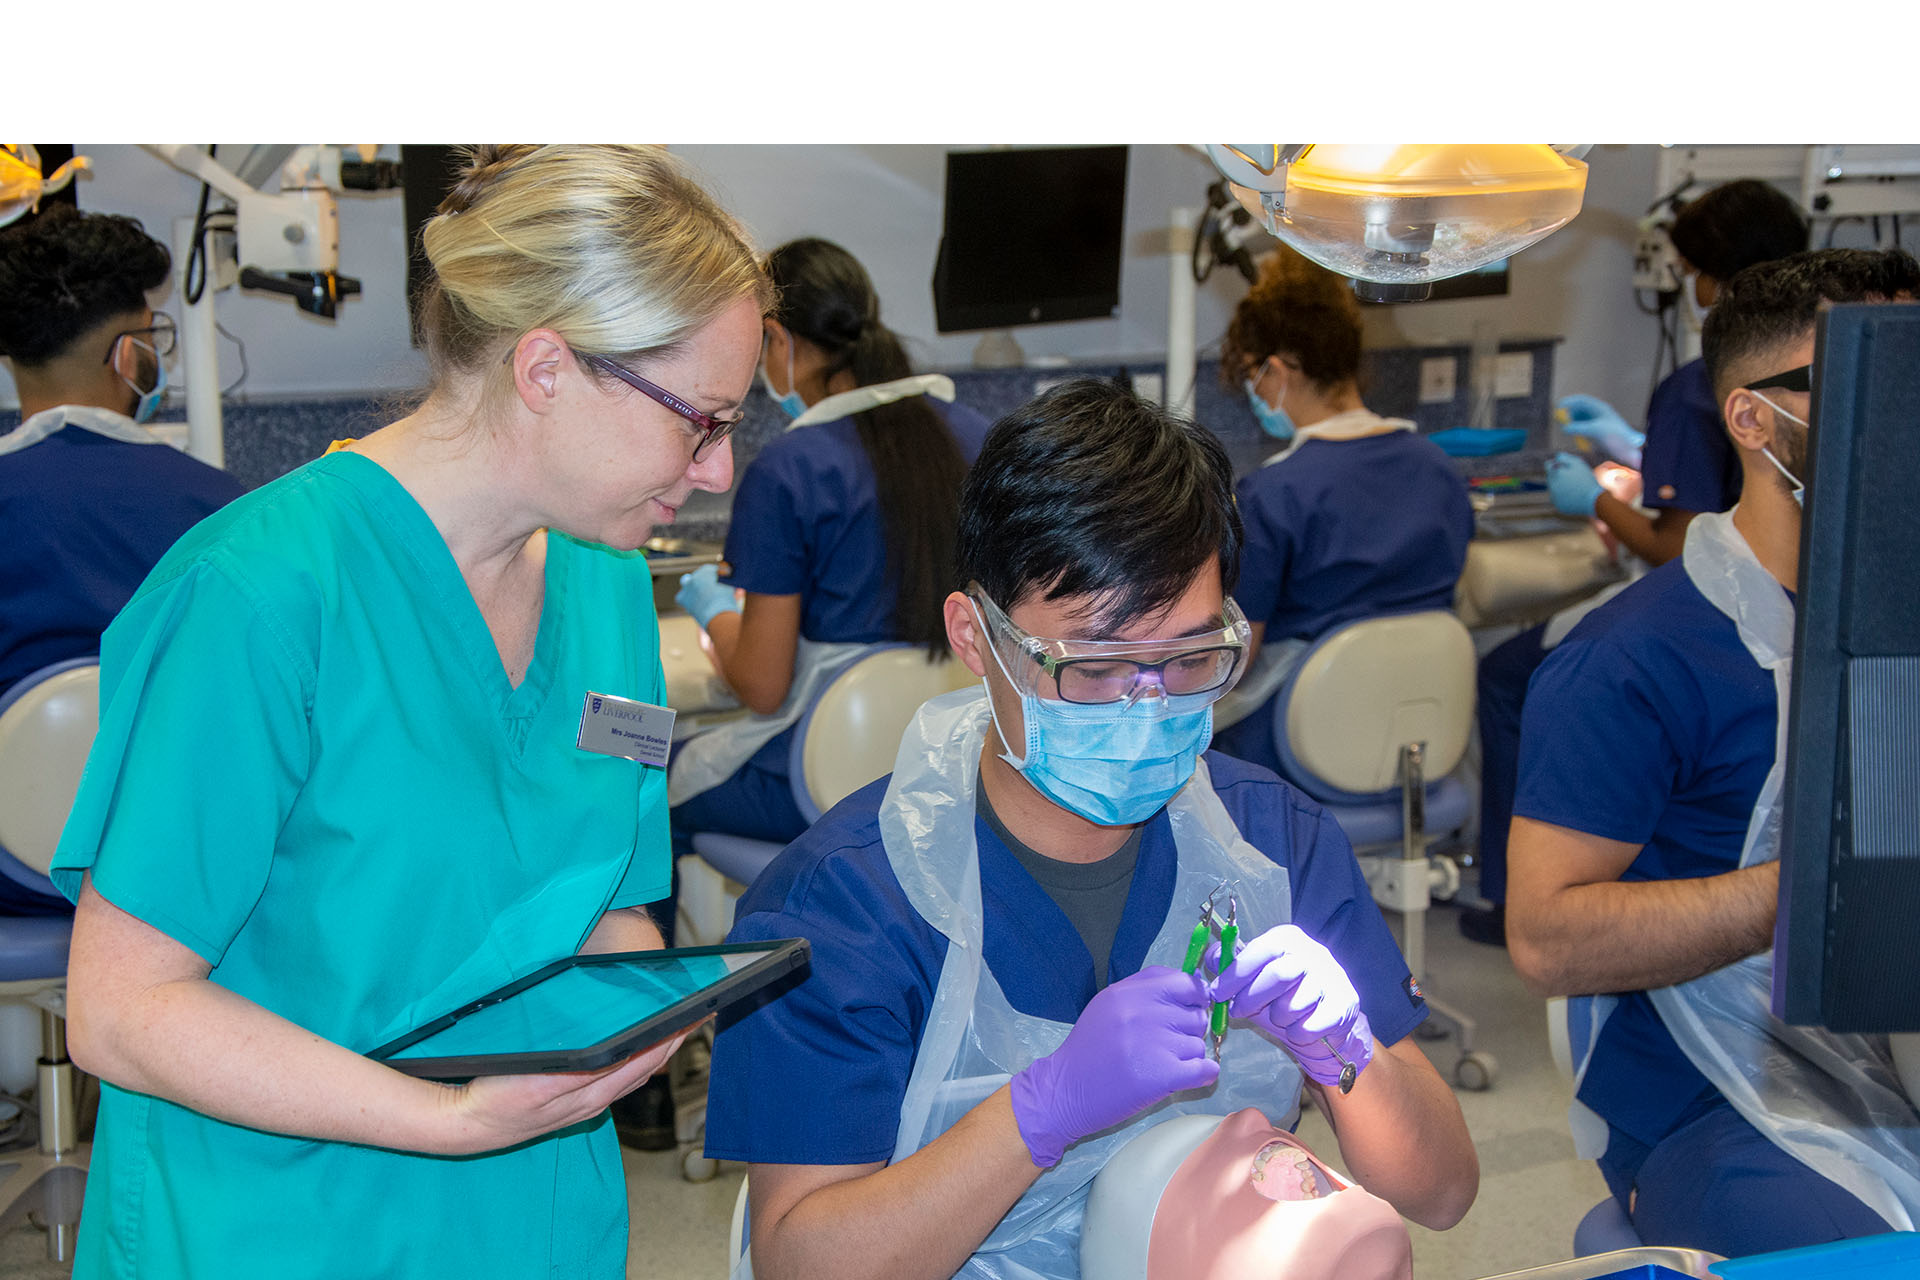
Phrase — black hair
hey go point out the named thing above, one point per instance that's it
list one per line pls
(1736, 225)
(827, 298)
(1088, 490)
(1774, 304)
(64, 273)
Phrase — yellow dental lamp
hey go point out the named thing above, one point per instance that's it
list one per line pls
(1395, 217)
(21, 182)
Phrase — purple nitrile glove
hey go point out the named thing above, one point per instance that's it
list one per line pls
(1135, 1043)
(1571, 484)
(1289, 985)
(1594, 419)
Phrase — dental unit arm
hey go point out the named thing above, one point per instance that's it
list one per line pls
(281, 236)
(285, 240)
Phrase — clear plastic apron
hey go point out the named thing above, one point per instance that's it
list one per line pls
(1833, 1102)
(975, 1040)
(710, 757)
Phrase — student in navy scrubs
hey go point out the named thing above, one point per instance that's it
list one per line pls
(997, 1000)
(89, 498)
(1645, 844)
(1687, 466)
(1355, 517)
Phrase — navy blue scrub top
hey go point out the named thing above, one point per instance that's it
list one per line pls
(83, 518)
(1650, 724)
(1688, 463)
(816, 1075)
(806, 521)
(1342, 530)
(1347, 529)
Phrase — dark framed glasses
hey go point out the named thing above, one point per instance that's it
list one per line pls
(1800, 379)
(712, 430)
(158, 337)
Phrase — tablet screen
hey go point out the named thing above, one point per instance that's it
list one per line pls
(580, 1006)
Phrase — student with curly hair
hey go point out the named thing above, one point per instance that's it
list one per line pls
(1357, 516)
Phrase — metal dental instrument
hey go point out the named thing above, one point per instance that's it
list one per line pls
(1202, 934)
(1348, 1072)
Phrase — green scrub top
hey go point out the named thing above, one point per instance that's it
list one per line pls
(312, 771)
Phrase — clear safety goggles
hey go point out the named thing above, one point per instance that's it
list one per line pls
(1103, 671)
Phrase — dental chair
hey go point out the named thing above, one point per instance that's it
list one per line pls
(1373, 710)
(846, 739)
(47, 723)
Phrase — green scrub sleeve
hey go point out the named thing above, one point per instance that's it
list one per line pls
(202, 747)
(649, 875)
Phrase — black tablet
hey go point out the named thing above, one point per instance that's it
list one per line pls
(588, 1012)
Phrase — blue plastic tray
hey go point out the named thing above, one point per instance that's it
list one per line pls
(1883, 1257)
(1480, 442)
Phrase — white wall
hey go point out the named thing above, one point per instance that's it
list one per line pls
(883, 203)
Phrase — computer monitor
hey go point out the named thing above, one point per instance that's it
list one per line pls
(1849, 924)
(1030, 236)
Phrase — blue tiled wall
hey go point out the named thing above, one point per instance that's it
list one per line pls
(265, 440)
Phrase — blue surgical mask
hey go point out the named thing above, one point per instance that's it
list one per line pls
(1696, 314)
(1113, 763)
(149, 402)
(790, 404)
(1274, 422)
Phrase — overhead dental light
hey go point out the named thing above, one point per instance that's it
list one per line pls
(21, 182)
(1395, 217)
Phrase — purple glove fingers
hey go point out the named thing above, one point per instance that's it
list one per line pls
(1136, 1042)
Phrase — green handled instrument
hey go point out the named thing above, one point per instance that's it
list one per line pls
(1229, 934)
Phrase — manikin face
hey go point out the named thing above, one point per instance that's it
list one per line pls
(1251, 1203)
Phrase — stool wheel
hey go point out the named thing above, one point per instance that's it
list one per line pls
(1476, 1072)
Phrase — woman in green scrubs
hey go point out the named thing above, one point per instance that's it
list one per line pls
(336, 789)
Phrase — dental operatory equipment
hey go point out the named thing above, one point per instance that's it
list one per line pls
(21, 182)
(283, 240)
(1228, 234)
(280, 234)
(1396, 217)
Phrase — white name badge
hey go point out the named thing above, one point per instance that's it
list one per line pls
(622, 727)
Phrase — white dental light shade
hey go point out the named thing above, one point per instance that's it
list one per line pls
(1404, 215)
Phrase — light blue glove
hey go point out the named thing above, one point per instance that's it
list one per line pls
(1571, 482)
(703, 595)
(1594, 419)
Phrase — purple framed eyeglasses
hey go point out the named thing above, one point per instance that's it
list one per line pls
(712, 430)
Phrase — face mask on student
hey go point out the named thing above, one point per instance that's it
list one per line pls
(790, 404)
(1113, 763)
